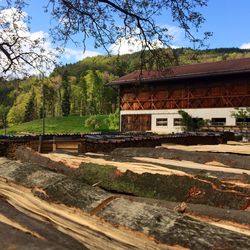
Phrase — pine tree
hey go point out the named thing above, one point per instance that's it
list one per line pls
(3, 116)
(30, 113)
(66, 95)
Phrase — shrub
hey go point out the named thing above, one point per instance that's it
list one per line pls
(113, 120)
(189, 123)
(93, 123)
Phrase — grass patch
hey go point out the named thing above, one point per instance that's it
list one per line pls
(69, 124)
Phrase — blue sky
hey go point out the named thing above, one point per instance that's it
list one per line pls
(227, 19)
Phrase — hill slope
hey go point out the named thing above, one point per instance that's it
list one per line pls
(80, 88)
(70, 124)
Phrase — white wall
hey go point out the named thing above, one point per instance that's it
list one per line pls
(173, 113)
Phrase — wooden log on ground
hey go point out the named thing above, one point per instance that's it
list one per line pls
(231, 160)
(104, 220)
(166, 187)
(171, 185)
(21, 231)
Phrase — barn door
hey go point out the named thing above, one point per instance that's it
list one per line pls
(135, 123)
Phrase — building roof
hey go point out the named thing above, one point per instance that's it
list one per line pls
(186, 71)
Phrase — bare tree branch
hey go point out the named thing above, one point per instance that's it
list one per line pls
(109, 21)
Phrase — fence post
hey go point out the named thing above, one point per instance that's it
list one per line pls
(40, 144)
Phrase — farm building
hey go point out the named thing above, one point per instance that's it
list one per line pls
(150, 100)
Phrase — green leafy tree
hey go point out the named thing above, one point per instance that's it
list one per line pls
(110, 96)
(96, 123)
(241, 114)
(16, 113)
(100, 98)
(94, 89)
(77, 100)
(56, 83)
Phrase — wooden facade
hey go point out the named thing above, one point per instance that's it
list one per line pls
(136, 123)
(209, 92)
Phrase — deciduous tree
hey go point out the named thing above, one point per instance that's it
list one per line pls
(21, 53)
(115, 21)
(242, 116)
(106, 21)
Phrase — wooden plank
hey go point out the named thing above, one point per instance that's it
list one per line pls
(226, 92)
(66, 145)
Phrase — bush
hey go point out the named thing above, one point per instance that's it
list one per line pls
(189, 123)
(93, 123)
(113, 120)
(97, 123)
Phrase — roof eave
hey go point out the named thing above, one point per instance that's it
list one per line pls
(180, 77)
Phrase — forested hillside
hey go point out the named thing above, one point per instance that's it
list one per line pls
(80, 88)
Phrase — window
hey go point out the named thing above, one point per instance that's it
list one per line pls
(162, 122)
(177, 121)
(243, 122)
(218, 121)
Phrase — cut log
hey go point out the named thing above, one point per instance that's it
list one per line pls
(240, 148)
(20, 231)
(98, 219)
(152, 181)
(230, 160)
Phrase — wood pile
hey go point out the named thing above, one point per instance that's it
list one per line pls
(75, 212)
(103, 142)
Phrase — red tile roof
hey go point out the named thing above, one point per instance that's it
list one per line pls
(187, 71)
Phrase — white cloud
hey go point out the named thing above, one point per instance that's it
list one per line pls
(126, 46)
(131, 45)
(174, 31)
(77, 55)
(245, 46)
